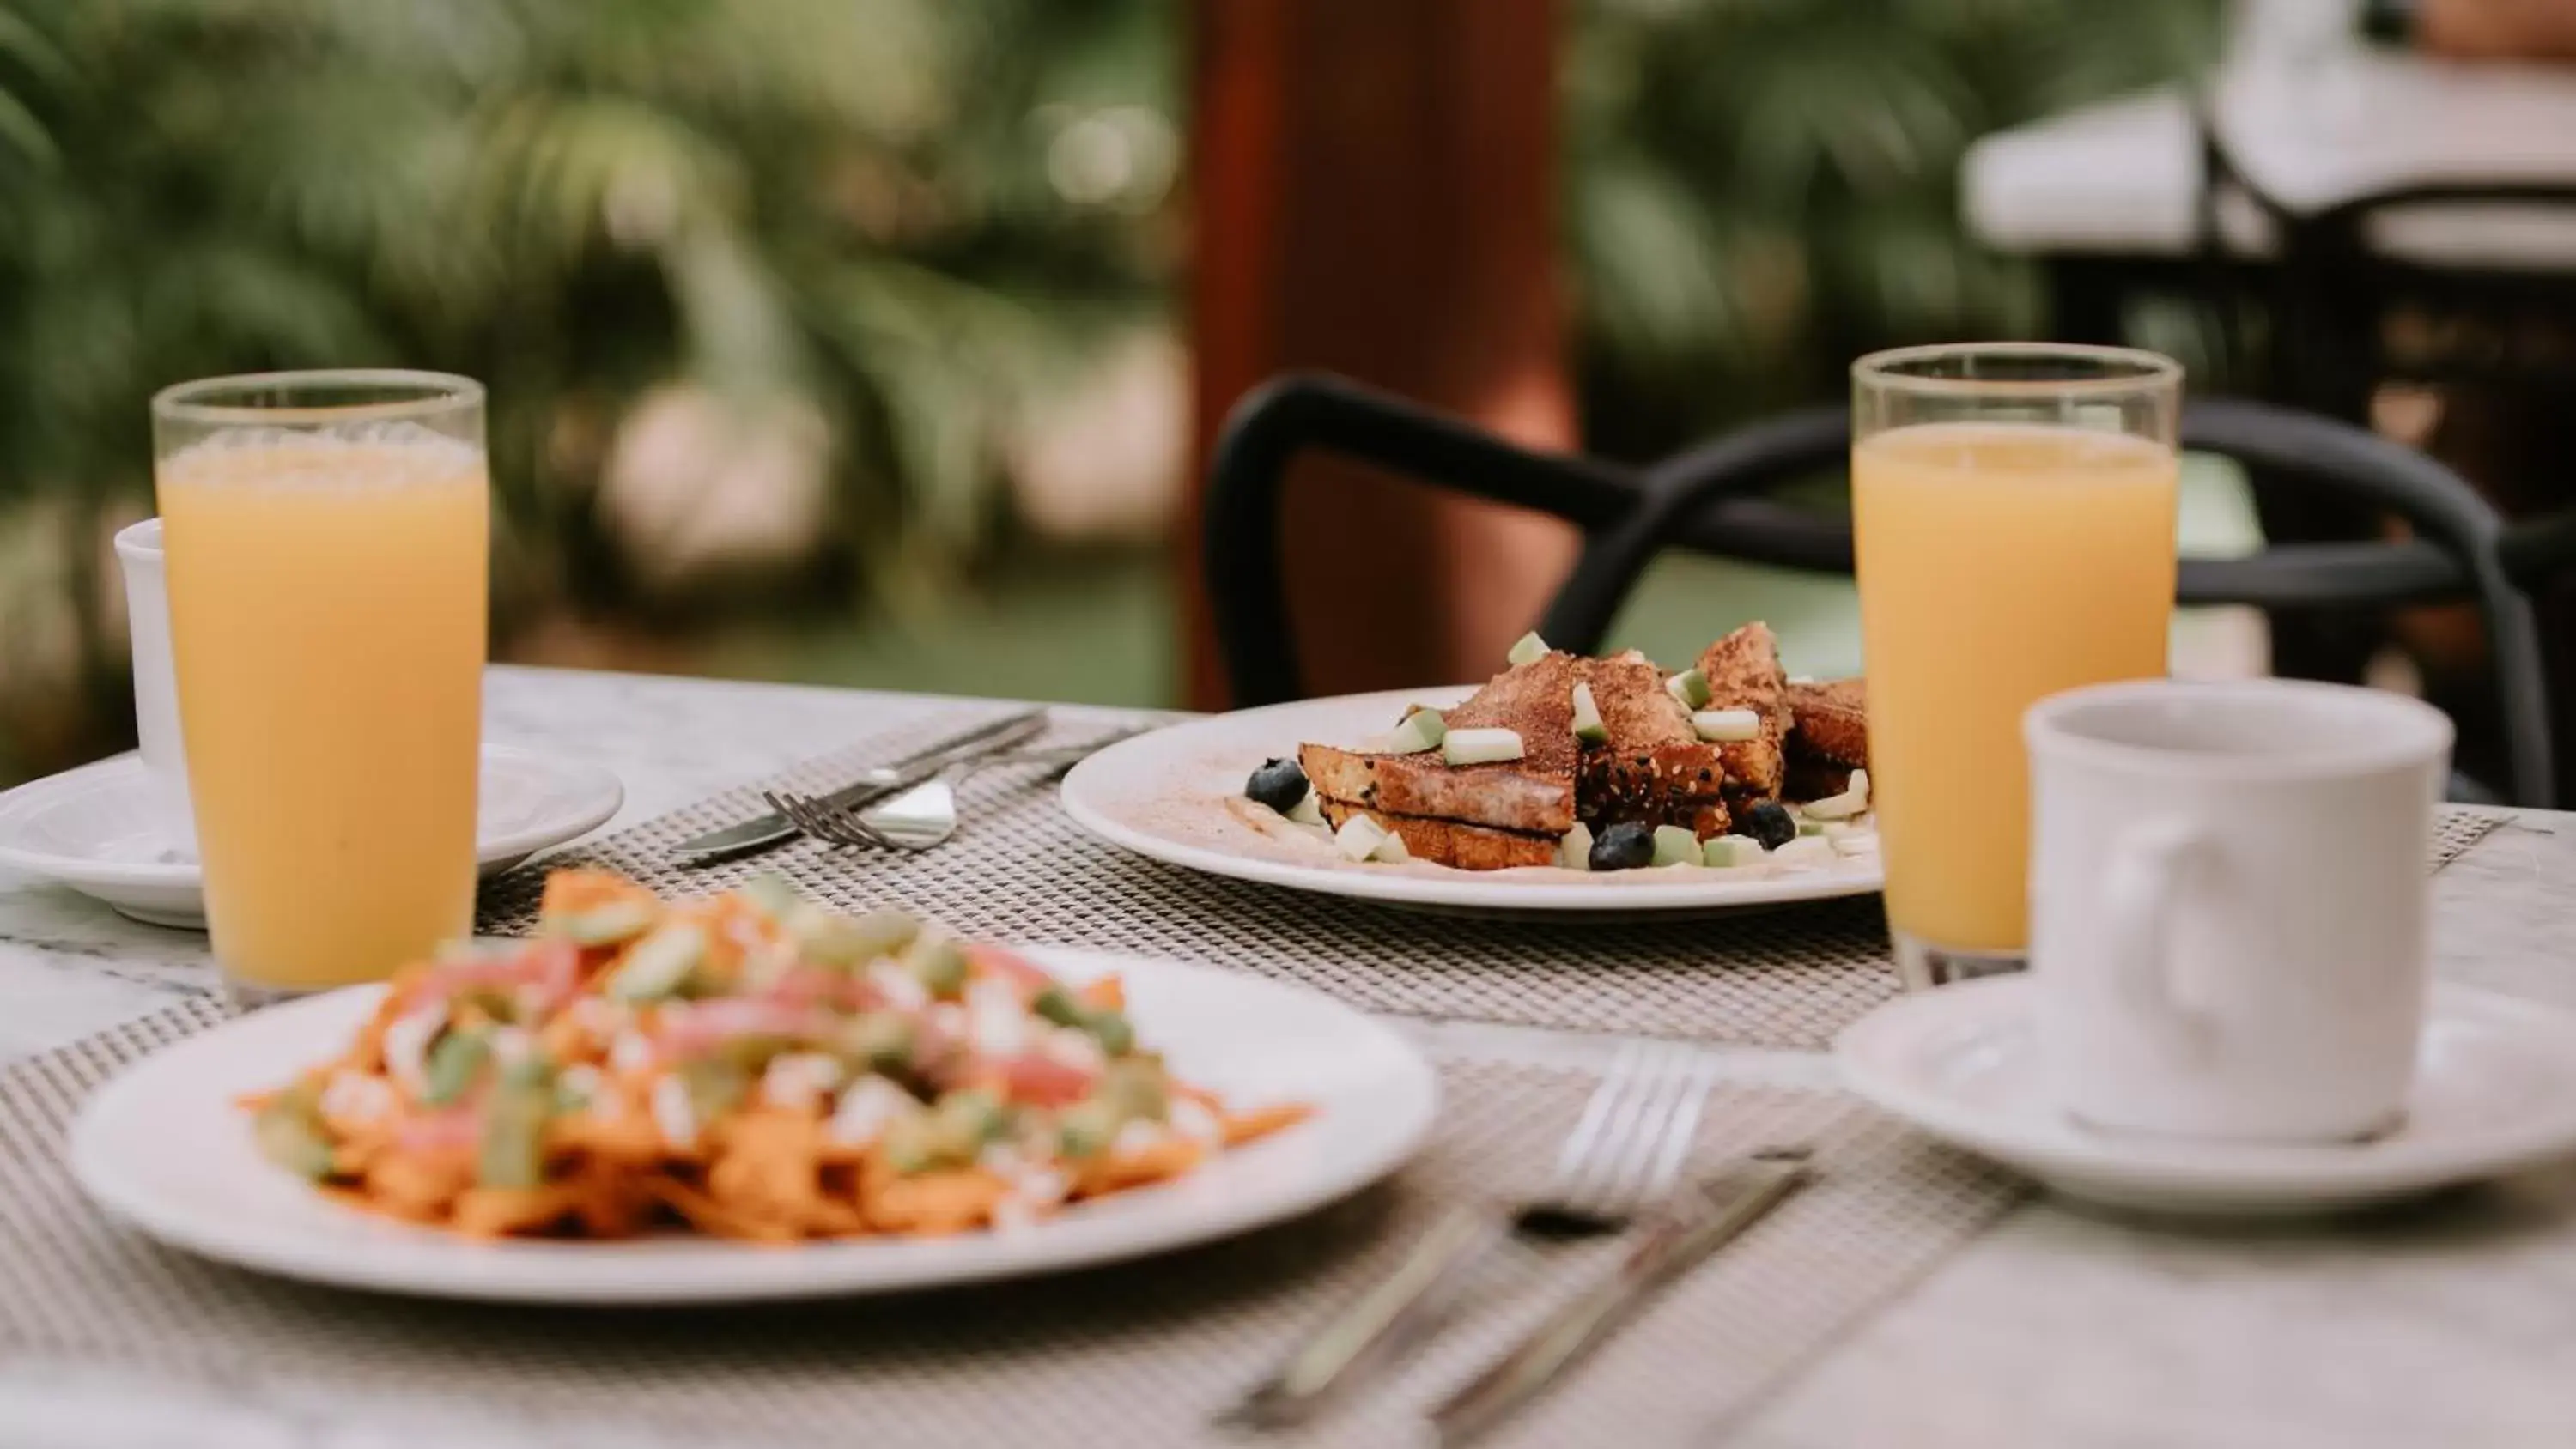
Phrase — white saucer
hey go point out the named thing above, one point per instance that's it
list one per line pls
(2495, 1091)
(99, 830)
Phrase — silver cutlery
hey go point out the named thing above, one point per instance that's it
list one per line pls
(773, 829)
(1622, 1154)
(1673, 1242)
(924, 816)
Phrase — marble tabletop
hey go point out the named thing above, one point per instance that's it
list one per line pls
(2452, 1322)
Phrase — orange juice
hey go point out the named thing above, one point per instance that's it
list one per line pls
(1999, 562)
(327, 602)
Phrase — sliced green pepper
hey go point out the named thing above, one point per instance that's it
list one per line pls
(660, 964)
(1136, 1086)
(513, 1147)
(1087, 1128)
(969, 1119)
(604, 925)
(1116, 1035)
(914, 1143)
(1057, 1005)
(832, 940)
(940, 966)
(771, 895)
(453, 1065)
(288, 1132)
(879, 1041)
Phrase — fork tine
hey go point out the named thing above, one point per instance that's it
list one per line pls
(1683, 1132)
(793, 806)
(1578, 1147)
(1638, 1154)
(807, 815)
(846, 826)
(1592, 1188)
(1621, 1180)
(788, 804)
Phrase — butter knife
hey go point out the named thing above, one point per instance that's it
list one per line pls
(1705, 1219)
(767, 830)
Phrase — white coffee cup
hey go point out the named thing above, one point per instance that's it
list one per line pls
(2229, 904)
(156, 689)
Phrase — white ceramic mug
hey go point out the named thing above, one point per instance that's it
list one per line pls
(2229, 904)
(156, 689)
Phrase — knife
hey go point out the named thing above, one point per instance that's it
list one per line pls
(768, 830)
(1704, 1220)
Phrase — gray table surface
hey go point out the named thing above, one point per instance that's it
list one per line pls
(2450, 1324)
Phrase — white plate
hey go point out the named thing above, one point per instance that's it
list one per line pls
(163, 1148)
(2495, 1091)
(99, 829)
(1176, 795)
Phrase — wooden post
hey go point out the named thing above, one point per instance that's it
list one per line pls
(1376, 196)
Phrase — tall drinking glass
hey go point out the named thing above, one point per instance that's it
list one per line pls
(326, 538)
(2013, 515)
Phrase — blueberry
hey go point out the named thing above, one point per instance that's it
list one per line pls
(1624, 846)
(1280, 784)
(1770, 822)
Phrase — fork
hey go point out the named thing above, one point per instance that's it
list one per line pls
(928, 811)
(1622, 1155)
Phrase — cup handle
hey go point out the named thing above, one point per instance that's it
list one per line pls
(2147, 875)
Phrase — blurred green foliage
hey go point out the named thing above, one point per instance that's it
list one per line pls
(843, 202)
(864, 213)
(884, 225)
(1760, 190)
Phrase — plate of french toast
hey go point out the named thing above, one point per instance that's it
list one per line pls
(1596, 784)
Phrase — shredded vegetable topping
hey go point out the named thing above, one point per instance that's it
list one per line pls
(750, 1065)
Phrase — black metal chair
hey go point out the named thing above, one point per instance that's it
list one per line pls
(1709, 499)
(2332, 282)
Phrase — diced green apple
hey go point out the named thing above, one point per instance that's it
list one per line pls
(1675, 845)
(1359, 838)
(1587, 718)
(1574, 852)
(1480, 747)
(1726, 725)
(1413, 737)
(1727, 852)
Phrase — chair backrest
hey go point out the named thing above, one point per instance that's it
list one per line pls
(1708, 499)
(2501, 250)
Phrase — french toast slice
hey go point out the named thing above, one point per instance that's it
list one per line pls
(1828, 737)
(1534, 795)
(1829, 721)
(1744, 672)
(1654, 769)
(1814, 779)
(1452, 842)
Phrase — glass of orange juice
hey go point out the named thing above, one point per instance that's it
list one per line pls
(2013, 519)
(326, 536)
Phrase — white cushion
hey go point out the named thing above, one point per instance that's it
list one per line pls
(2125, 177)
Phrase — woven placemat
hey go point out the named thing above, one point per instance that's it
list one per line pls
(1139, 1355)
(2456, 828)
(1022, 870)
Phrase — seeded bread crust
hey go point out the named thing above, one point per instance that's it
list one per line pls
(1533, 794)
(1744, 672)
(1451, 842)
(1655, 769)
